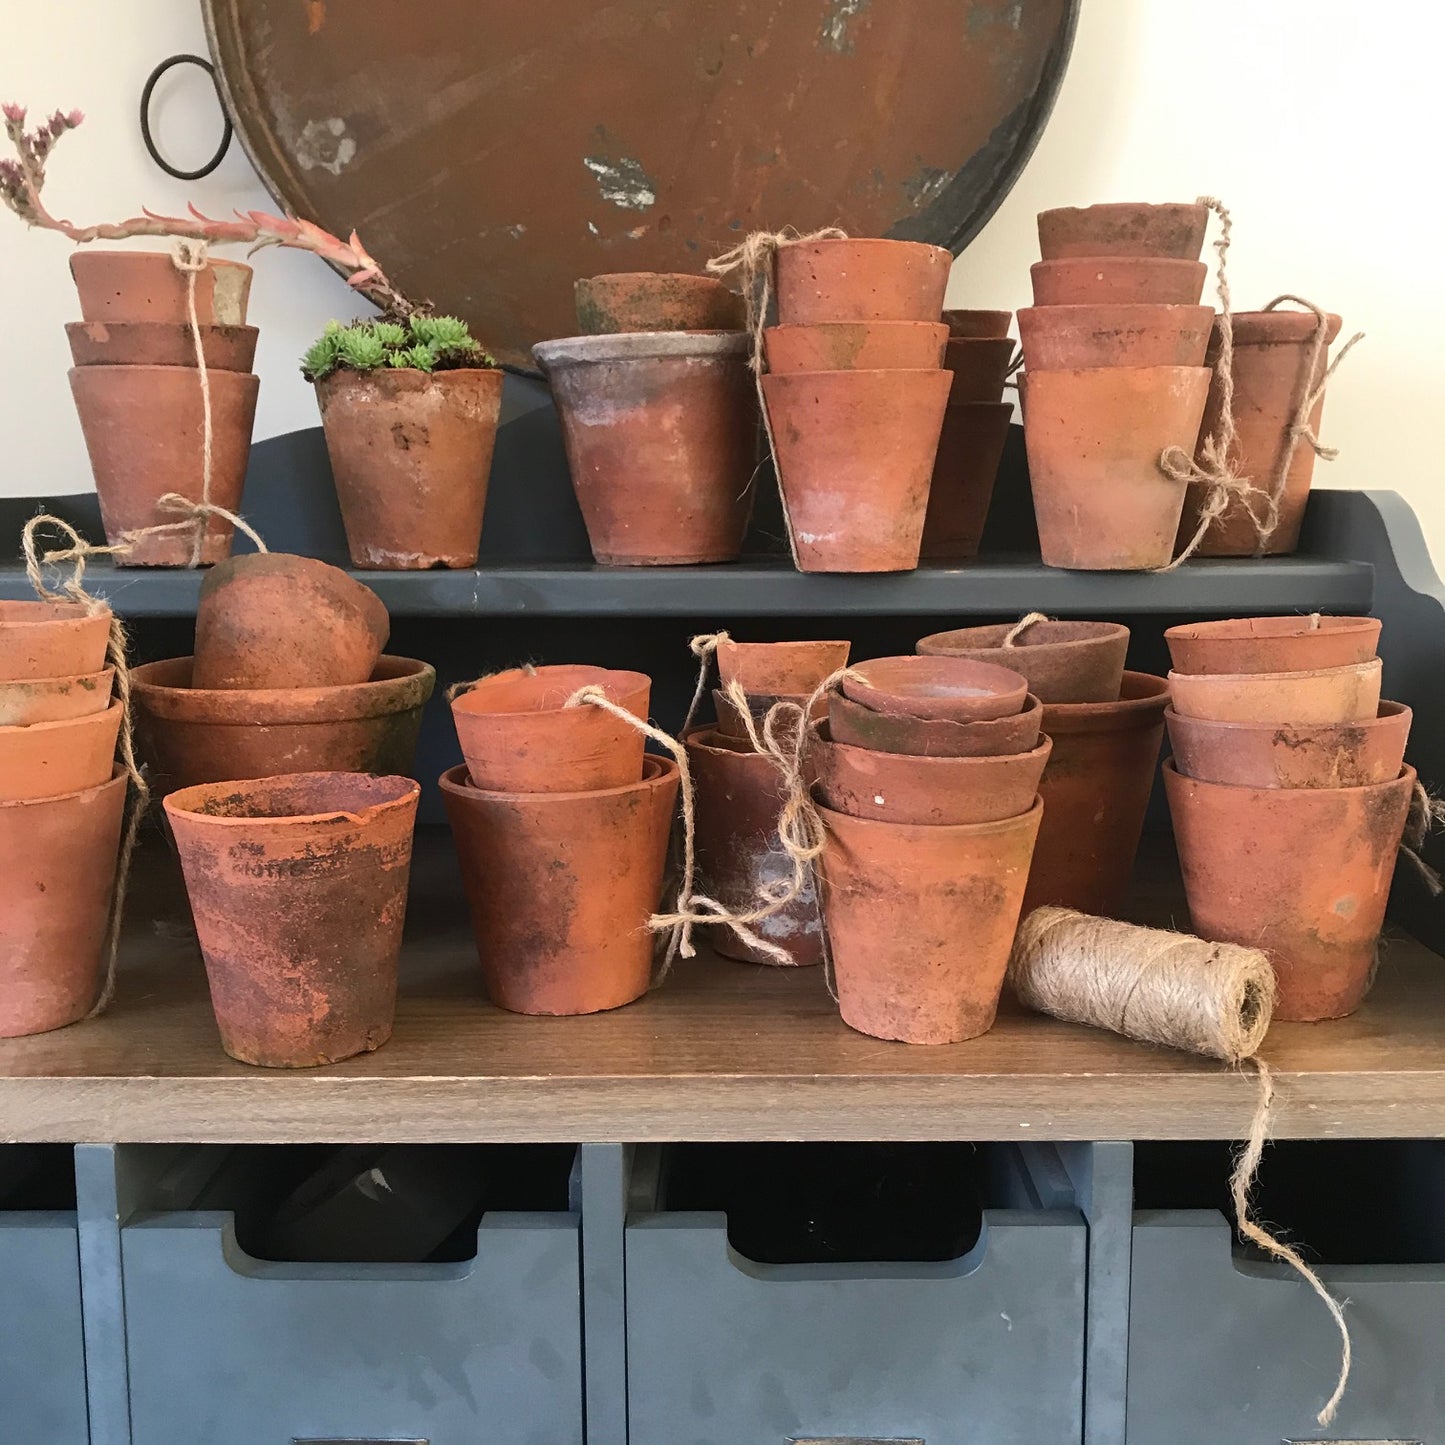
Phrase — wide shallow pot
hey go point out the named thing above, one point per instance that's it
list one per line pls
(861, 727)
(1292, 755)
(54, 699)
(956, 688)
(148, 286)
(920, 921)
(1125, 228)
(1068, 338)
(855, 346)
(561, 888)
(779, 667)
(57, 866)
(1094, 440)
(978, 367)
(411, 453)
(970, 449)
(46, 759)
(656, 301)
(1272, 644)
(1118, 281)
(855, 453)
(160, 343)
(194, 735)
(270, 620)
(985, 325)
(661, 436)
(1061, 661)
(144, 429)
(518, 737)
(52, 639)
(298, 889)
(1096, 791)
(1303, 873)
(1326, 695)
(861, 280)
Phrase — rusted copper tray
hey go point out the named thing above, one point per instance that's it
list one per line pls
(490, 152)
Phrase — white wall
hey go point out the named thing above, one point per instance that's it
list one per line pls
(1316, 121)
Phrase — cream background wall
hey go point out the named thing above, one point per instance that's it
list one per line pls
(1317, 122)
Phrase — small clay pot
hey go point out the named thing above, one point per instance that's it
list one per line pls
(48, 759)
(1129, 228)
(920, 921)
(982, 325)
(561, 887)
(1325, 695)
(861, 727)
(1272, 644)
(54, 699)
(57, 867)
(160, 343)
(52, 639)
(517, 736)
(1061, 661)
(979, 368)
(1094, 439)
(779, 667)
(861, 280)
(1303, 873)
(855, 346)
(730, 724)
(855, 455)
(661, 436)
(1292, 755)
(970, 449)
(656, 301)
(127, 286)
(1070, 338)
(1118, 281)
(1096, 792)
(411, 453)
(955, 688)
(298, 889)
(144, 429)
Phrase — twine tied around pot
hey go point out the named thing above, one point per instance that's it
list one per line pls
(1425, 815)
(703, 647)
(1028, 620)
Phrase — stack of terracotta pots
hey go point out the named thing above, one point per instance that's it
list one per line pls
(137, 388)
(561, 821)
(927, 780)
(1289, 795)
(1115, 375)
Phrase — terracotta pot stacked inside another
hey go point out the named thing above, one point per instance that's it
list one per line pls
(1289, 794)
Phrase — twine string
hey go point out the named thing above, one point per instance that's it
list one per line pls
(1425, 814)
(703, 647)
(1022, 625)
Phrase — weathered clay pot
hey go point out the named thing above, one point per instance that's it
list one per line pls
(1096, 791)
(1272, 644)
(1094, 440)
(860, 727)
(160, 343)
(51, 639)
(411, 453)
(48, 759)
(738, 800)
(298, 889)
(1118, 281)
(987, 325)
(1326, 695)
(861, 280)
(144, 429)
(1062, 661)
(956, 688)
(517, 736)
(979, 368)
(57, 865)
(779, 667)
(730, 724)
(192, 735)
(561, 887)
(920, 921)
(1292, 755)
(855, 454)
(661, 436)
(54, 699)
(1127, 228)
(970, 449)
(148, 286)
(855, 346)
(1068, 338)
(656, 301)
(1271, 358)
(1303, 873)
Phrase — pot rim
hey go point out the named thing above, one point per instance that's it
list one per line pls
(940, 327)
(406, 793)
(1129, 377)
(1307, 674)
(1044, 745)
(1387, 712)
(91, 252)
(1079, 717)
(405, 378)
(103, 673)
(1107, 633)
(1281, 328)
(1072, 312)
(1149, 263)
(1219, 629)
(853, 380)
(1406, 776)
(611, 679)
(1030, 704)
(224, 328)
(175, 375)
(867, 241)
(656, 771)
(118, 777)
(999, 683)
(47, 613)
(88, 719)
(709, 282)
(641, 346)
(933, 830)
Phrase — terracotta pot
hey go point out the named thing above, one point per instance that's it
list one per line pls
(1094, 440)
(855, 454)
(920, 921)
(1327, 695)
(561, 887)
(1118, 281)
(970, 449)
(298, 890)
(779, 667)
(1065, 338)
(1127, 228)
(160, 343)
(739, 798)
(855, 346)
(985, 325)
(955, 688)
(656, 301)
(730, 724)
(54, 699)
(57, 866)
(661, 435)
(1292, 755)
(517, 736)
(979, 368)
(192, 735)
(1096, 791)
(860, 727)
(144, 428)
(48, 759)
(129, 286)
(51, 639)
(411, 453)
(861, 280)
(1303, 873)
(1271, 356)
(1272, 644)
(1061, 661)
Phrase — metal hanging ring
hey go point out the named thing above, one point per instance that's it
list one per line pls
(145, 119)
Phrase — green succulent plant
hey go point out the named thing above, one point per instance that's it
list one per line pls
(423, 358)
(424, 343)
